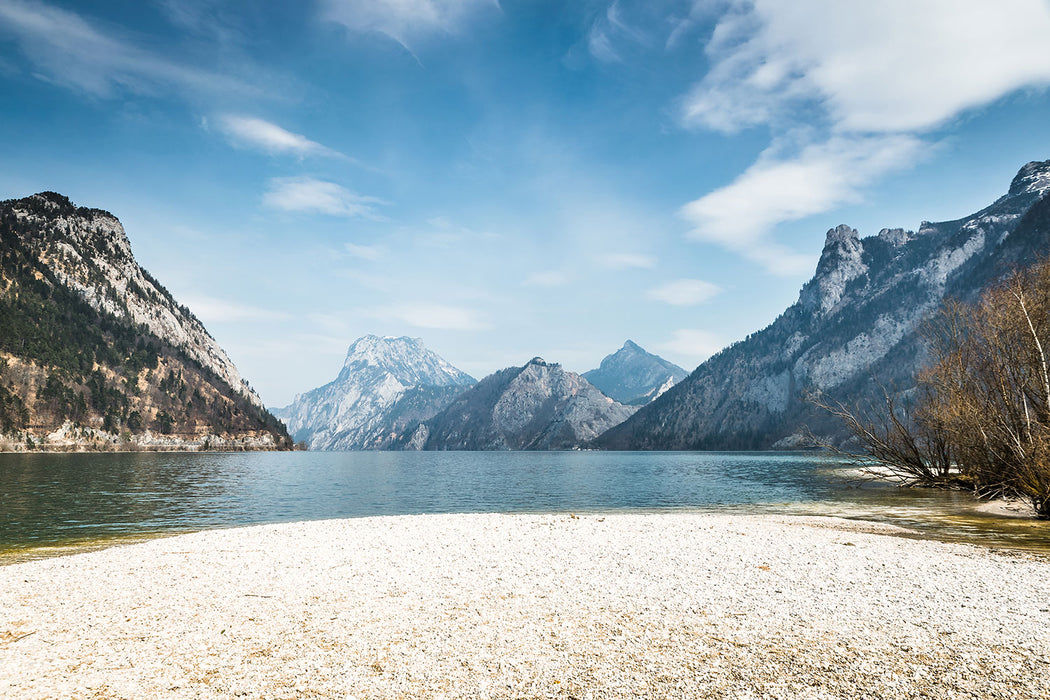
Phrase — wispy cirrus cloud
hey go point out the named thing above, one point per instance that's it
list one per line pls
(364, 252)
(776, 189)
(69, 50)
(436, 316)
(252, 132)
(211, 19)
(685, 292)
(404, 21)
(312, 196)
(607, 30)
(212, 309)
(695, 344)
(547, 278)
(624, 261)
(864, 85)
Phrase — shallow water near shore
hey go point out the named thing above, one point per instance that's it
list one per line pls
(52, 502)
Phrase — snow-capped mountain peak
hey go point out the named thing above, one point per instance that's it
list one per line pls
(386, 384)
(407, 359)
(1033, 178)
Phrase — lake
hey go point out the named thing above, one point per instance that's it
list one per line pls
(59, 500)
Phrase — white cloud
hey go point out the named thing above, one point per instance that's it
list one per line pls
(253, 132)
(623, 261)
(210, 309)
(863, 81)
(365, 252)
(890, 66)
(741, 215)
(404, 21)
(442, 222)
(549, 278)
(445, 233)
(332, 324)
(685, 292)
(387, 284)
(67, 50)
(439, 316)
(698, 345)
(608, 29)
(600, 46)
(682, 27)
(305, 194)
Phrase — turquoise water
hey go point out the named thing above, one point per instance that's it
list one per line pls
(68, 499)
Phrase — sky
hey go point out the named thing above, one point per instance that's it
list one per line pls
(512, 178)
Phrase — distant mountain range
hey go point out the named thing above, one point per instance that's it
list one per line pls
(854, 329)
(96, 354)
(386, 386)
(633, 376)
(394, 393)
(538, 406)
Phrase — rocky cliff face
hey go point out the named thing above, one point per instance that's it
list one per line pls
(386, 386)
(89, 252)
(539, 406)
(91, 345)
(633, 376)
(854, 329)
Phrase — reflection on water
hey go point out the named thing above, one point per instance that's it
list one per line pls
(68, 498)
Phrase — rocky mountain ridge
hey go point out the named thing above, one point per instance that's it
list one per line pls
(96, 354)
(89, 251)
(538, 406)
(385, 387)
(854, 329)
(633, 376)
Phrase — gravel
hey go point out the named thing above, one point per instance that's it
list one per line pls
(531, 606)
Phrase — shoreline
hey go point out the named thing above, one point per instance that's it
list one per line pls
(73, 438)
(1013, 513)
(600, 606)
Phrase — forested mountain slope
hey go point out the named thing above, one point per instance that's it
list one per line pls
(96, 354)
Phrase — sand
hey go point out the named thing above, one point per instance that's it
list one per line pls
(531, 606)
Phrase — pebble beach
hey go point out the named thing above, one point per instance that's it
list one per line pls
(672, 605)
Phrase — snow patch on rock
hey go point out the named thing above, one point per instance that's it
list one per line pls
(356, 410)
(1033, 178)
(937, 270)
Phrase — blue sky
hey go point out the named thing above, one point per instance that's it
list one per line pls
(510, 179)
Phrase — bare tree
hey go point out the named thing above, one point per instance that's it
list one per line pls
(896, 446)
(982, 413)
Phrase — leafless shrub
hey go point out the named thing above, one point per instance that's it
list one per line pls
(982, 413)
(896, 446)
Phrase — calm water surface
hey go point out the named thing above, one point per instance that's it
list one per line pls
(70, 499)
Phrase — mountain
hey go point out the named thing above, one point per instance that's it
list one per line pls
(538, 406)
(855, 328)
(386, 386)
(633, 376)
(95, 353)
